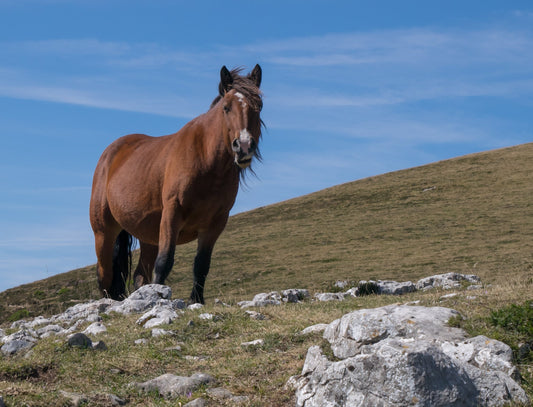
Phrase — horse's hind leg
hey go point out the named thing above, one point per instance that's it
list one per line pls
(104, 245)
(143, 272)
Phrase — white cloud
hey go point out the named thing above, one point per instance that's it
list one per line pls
(370, 69)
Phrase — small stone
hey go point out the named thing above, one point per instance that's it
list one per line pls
(116, 401)
(195, 306)
(176, 348)
(158, 315)
(314, 328)
(75, 398)
(206, 316)
(257, 342)
(179, 304)
(95, 328)
(294, 295)
(100, 345)
(49, 330)
(255, 315)
(219, 302)
(172, 386)
(196, 403)
(79, 340)
(219, 393)
(329, 296)
(341, 284)
(161, 332)
(262, 300)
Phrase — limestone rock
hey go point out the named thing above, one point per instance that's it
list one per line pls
(143, 299)
(15, 346)
(171, 386)
(75, 398)
(95, 328)
(196, 403)
(294, 295)
(406, 355)
(262, 300)
(388, 287)
(446, 281)
(257, 342)
(22, 340)
(158, 315)
(314, 328)
(329, 296)
(50, 330)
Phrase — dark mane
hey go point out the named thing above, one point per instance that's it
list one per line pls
(244, 85)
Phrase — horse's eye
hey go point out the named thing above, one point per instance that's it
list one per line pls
(227, 108)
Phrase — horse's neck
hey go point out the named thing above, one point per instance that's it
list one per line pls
(210, 132)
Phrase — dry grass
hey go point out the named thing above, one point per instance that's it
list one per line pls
(472, 215)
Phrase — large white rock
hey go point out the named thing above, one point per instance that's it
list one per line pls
(406, 355)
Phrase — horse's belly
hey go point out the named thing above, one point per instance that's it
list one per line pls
(144, 224)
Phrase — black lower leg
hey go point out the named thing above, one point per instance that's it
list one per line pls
(163, 265)
(202, 262)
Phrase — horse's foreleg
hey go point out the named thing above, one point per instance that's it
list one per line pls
(163, 264)
(143, 272)
(168, 234)
(202, 262)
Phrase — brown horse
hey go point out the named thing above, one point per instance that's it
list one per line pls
(173, 189)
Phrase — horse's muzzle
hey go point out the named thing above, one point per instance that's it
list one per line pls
(244, 151)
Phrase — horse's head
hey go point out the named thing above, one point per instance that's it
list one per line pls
(240, 101)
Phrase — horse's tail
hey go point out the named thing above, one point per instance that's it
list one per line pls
(122, 264)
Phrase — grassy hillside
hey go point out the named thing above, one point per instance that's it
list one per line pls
(472, 214)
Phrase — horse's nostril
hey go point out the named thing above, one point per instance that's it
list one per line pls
(236, 145)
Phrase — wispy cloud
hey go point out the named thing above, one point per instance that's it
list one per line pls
(410, 46)
(374, 68)
(99, 95)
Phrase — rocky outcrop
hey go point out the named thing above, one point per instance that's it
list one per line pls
(406, 355)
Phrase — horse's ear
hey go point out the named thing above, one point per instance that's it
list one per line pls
(226, 80)
(256, 75)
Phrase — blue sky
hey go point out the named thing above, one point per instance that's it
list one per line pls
(351, 90)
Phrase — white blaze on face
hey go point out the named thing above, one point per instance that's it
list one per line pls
(245, 138)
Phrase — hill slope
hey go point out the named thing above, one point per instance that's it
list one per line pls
(471, 214)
